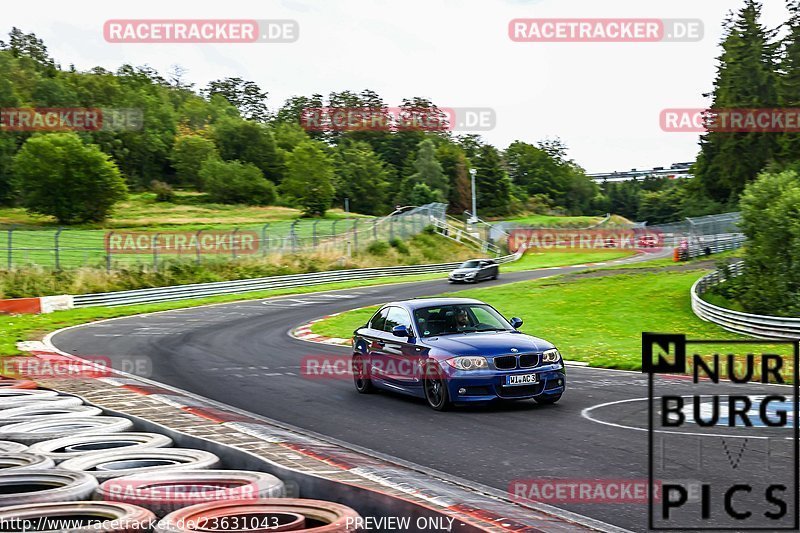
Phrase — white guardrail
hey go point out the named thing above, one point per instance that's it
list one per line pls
(760, 326)
(200, 290)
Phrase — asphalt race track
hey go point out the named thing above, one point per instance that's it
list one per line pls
(241, 354)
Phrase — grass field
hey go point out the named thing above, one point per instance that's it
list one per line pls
(532, 260)
(598, 319)
(189, 211)
(669, 261)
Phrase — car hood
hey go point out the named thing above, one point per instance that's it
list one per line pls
(464, 270)
(488, 344)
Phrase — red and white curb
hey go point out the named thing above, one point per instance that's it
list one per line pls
(304, 333)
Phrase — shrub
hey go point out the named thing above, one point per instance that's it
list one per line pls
(378, 248)
(399, 245)
(164, 192)
(233, 182)
(771, 220)
(58, 175)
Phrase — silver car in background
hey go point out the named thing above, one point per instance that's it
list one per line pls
(475, 270)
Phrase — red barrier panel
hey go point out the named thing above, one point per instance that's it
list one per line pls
(21, 306)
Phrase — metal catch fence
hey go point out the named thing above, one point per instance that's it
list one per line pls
(64, 248)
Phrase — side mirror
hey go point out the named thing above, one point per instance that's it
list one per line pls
(402, 331)
(516, 322)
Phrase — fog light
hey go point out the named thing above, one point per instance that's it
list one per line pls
(560, 382)
(462, 390)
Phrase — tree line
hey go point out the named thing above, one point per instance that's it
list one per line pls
(758, 171)
(225, 141)
(758, 67)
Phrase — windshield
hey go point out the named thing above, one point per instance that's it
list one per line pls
(470, 264)
(461, 318)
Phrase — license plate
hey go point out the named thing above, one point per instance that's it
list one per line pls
(522, 379)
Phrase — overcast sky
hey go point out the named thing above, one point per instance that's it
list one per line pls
(602, 99)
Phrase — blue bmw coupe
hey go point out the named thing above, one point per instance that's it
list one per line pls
(454, 351)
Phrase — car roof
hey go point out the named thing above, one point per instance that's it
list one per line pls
(418, 303)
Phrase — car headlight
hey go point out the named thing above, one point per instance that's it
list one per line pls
(468, 362)
(551, 356)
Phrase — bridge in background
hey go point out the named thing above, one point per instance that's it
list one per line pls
(676, 170)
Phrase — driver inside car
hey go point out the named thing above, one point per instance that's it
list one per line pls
(462, 320)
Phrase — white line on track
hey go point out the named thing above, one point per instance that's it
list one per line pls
(585, 414)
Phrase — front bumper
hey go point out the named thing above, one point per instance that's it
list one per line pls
(488, 385)
(461, 279)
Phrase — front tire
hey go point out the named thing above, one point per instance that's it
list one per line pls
(361, 376)
(436, 390)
